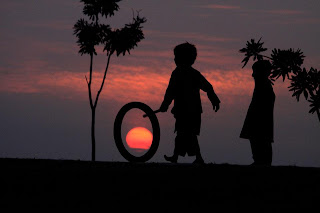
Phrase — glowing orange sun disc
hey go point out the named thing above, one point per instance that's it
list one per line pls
(139, 138)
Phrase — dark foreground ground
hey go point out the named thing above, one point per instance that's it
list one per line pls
(153, 187)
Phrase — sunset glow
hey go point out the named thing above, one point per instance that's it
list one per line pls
(139, 138)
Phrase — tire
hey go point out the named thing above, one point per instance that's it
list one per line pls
(117, 132)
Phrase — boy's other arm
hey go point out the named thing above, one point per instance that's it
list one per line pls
(168, 97)
(207, 87)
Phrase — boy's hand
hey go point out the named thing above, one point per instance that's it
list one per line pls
(216, 107)
(163, 108)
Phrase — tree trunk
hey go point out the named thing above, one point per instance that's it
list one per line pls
(93, 139)
(94, 105)
(93, 112)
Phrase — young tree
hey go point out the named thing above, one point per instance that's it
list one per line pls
(287, 63)
(92, 33)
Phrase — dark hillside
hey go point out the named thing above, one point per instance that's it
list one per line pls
(153, 187)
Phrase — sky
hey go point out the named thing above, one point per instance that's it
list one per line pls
(45, 112)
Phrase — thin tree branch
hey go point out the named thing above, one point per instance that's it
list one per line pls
(86, 79)
(104, 78)
(89, 82)
(91, 62)
(266, 57)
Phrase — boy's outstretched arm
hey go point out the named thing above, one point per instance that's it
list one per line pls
(207, 87)
(168, 97)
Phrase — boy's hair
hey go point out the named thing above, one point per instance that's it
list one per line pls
(262, 68)
(185, 53)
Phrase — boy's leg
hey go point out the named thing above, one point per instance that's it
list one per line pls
(261, 152)
(255, 151)
(174, 157)
(199, 158)
(266, 153)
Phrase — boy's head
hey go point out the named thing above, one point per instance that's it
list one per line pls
(261, 69)
(185, 54)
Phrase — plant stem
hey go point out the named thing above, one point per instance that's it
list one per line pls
(103, 80)
(318, 113)
(90, 80)
(266, 57)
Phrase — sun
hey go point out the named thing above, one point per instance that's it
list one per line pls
(139, 138)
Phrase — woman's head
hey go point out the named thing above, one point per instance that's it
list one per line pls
(261, 69)
(185, 54)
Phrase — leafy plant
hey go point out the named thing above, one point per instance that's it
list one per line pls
(252, 49)
(92, 33)
(125, 39)
(308, 84)
(287, 63)
(88, 35)
(315, 103)
(93, 8)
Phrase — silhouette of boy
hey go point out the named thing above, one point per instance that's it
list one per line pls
(184, 88)
(258, 124)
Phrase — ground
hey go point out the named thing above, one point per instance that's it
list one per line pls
(157, 187)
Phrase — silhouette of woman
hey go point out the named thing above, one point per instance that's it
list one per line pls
(258, 124)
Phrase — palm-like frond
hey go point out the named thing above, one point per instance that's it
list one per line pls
(314, 79)
(252, 49)
(315, 102)
(125, 39)
(286, 61)
(88, 34)
(93, 8)
(300, 83)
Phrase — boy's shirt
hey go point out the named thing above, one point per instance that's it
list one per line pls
(184, 88)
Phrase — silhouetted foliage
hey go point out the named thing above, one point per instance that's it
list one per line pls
(283, 62)
(92, 8)
(287, 63)
(92, 33)
(89, 35)
(300, 83)
(125, 39)
(252, 49)
(315, 103)
(308, 83)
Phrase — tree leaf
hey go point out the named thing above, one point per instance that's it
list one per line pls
(305, 93)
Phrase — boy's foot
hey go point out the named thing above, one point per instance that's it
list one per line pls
(255, 164)
(172, 159)
(260, 164)
(199, 161)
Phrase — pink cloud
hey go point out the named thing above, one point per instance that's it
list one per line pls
(126, 84)
(128, 79)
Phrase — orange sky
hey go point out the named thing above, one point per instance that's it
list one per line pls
(128, 83)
